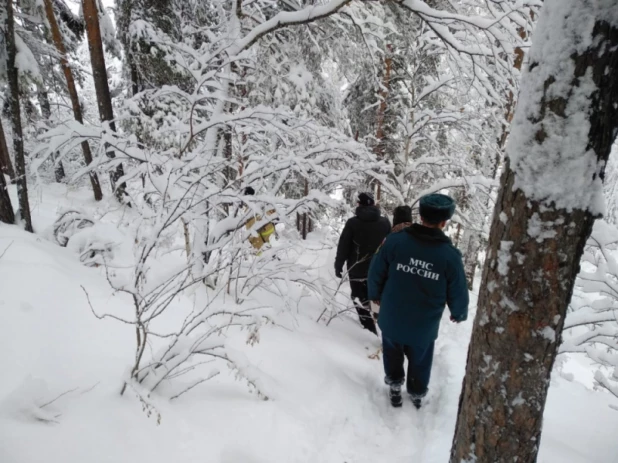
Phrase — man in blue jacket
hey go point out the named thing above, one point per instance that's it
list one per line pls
(414, 274)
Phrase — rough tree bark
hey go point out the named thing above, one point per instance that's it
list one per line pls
(99, 73)
(6, 166)
(68, 75)
(13, 97)
(536, 242)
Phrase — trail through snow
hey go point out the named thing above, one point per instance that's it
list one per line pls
(328, 403)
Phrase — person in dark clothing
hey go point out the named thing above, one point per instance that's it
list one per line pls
(402, 218)
(359, 240)
(415, 273)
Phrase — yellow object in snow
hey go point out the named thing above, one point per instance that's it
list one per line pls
(263, 233)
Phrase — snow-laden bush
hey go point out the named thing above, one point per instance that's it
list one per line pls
(591, 326)
(189, 149)
(69, 223)
(97, 245)
(184, 205)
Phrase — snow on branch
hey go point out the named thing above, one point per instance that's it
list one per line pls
(552, 156)
(455, 183)
(284, 19)
(591, 327)
(480, 47)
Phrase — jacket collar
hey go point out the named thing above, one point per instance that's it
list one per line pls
(428, 234)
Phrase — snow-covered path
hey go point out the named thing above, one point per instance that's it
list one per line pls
(327, 402)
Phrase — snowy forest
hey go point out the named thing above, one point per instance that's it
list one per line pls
(178, 177)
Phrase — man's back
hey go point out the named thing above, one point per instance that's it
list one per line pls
(359, 240)
(415, 274)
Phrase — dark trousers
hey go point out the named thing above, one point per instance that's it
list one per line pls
(361, 302)
(419, 366)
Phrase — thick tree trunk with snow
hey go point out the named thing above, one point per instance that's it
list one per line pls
(18, 140)
(75, 104)
(6, 166)
(563, 132)
(99, 73)
(521, 312)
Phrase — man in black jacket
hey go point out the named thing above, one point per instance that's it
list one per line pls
(361, 237)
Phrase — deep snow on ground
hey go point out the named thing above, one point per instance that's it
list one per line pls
(326, 401)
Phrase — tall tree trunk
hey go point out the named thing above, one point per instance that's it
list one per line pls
(43, 98)
(384, 92)
(99, 73)
(68, 75)
(534, 254)
(6, 208)
(226, 139)
(306, 221)
(6, 166)
(18, 141)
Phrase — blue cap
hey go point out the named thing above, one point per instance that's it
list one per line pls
(436, 208)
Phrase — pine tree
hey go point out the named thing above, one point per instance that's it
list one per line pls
(562, 135)
(70, 81)
(99, 73)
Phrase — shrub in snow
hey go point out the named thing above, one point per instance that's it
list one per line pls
(69, 223)
(93, 246)
(94, 242)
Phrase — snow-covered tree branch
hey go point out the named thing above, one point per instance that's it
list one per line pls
(592, 323)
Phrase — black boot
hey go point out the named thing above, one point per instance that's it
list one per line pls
(395, 395)
(416, 400)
